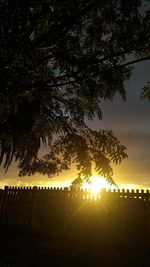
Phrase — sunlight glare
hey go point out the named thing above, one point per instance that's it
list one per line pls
(97, 183)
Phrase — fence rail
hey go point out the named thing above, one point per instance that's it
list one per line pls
(58, 211)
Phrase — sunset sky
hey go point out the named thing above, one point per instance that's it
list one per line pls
(130, 121)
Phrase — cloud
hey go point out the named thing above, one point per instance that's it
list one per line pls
(138, 144)
(135, 169)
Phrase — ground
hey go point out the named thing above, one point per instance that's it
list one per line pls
(25, 250)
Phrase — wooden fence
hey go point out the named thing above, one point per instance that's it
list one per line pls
(121, 214)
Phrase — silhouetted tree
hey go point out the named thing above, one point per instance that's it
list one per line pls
(59, 59)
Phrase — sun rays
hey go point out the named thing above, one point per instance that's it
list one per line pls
(96, 184)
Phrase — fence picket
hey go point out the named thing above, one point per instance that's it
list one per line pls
(57, 211)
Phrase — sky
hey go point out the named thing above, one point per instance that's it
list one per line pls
(130, 122)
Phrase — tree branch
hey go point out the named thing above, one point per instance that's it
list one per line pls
(63, 28)
(135, 61)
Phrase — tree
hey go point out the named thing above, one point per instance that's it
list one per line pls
(59, 59)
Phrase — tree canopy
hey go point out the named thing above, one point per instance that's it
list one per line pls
(59, 60)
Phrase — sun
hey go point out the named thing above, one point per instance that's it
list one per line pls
(96, 184)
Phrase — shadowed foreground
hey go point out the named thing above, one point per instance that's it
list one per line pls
(62, 228)
(22, 250)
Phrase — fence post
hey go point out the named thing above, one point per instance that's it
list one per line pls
(148, 215)
(32, 222)
(1, 203)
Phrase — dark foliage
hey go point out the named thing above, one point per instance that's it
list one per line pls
(59, 59)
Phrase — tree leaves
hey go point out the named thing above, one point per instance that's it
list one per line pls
(59, 59)
(87, 149)
(145, 94)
